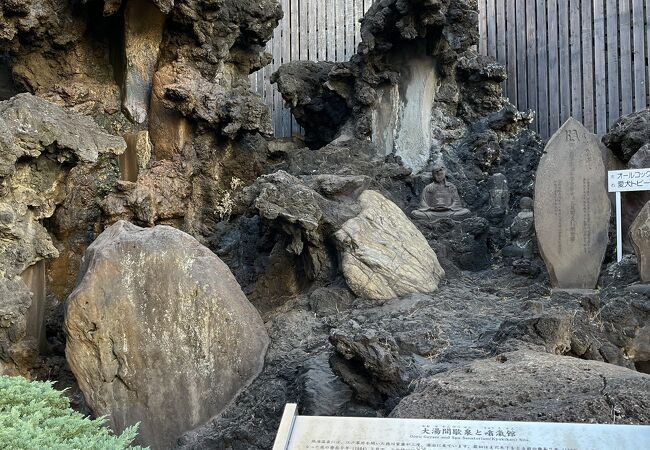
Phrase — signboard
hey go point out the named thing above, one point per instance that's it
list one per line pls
(625, 181)
(362, 433)
(628, 180)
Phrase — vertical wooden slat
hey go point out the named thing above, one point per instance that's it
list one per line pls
(542, 70)
(482, 27)
(565, 68)
(600, 67)
(638, 32)
(304, 29)
(531, 63)
(490, 16)
(331, 30)
(555, 96)
(502, 56)
(322, 31)
(285, 119)
(626, 56)
(340, 30)
(358, 14)
(511, 32)
(576, 59)
(587, 66)
(349, 29)
(613, 98)
(294, 30)
(277, 60)
(522, 52)
(294, 43)
(312, 37)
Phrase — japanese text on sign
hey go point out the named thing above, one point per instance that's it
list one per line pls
(628, 180)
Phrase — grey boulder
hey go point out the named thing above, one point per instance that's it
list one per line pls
(531, 386)
(383, 254)
(159, 332)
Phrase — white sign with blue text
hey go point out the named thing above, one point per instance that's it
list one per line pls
(630, 180)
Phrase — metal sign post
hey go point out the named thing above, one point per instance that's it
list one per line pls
(625, 181)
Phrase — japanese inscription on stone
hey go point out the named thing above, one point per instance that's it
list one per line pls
(572, 209)
(361, 433)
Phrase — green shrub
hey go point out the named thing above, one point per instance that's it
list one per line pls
(33, 415)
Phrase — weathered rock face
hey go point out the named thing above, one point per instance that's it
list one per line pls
(529, 386)
(640, 236)
(416, 93)
(383, 255)
(633, 202)
(39, 144)
(159, 332)
(629, 134)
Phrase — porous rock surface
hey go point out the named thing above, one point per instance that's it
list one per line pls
(640, 237)
(383, 254)
(629, 134)
(159, 332)
(39, 145)
(529, 386)
(379, 349)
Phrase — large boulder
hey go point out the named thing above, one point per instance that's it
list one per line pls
(640, 237)
(629, 134)
(383, 254)
(530, 386)
(159, 332)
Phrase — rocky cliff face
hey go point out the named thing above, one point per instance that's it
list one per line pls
(177, 138)
(40, 144)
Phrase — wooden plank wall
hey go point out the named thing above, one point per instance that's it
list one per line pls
(315, 30)
(585, 58)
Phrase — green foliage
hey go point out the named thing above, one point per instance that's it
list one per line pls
(33, 415)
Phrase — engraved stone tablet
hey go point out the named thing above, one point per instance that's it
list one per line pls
(572, 209)
(640, 236)
(363, 433)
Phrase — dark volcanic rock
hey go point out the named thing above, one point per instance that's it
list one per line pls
(629, 134)
(533, 387)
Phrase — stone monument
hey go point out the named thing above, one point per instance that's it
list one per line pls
(640, 237)
(572, 209)
(440, 198)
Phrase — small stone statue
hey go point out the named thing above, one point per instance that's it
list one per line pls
(522, 232)
(440, 199)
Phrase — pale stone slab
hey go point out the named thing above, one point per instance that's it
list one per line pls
(362, 433)
(572, 209)
(141, 48)
(640, 236)
(383, 255)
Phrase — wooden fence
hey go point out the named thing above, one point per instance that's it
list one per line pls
(582, 58)
(315, 30)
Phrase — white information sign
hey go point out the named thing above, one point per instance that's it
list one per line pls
(625, 181)
(628, 180)
(361, 433)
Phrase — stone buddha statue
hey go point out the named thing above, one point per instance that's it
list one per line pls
(522, 232)
(440, 199)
